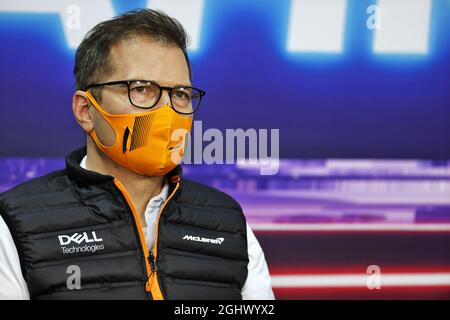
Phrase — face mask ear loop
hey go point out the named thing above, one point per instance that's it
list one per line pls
(96, 105)
(104, 115)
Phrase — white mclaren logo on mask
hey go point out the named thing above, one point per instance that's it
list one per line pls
(201, 239)
(79, 238)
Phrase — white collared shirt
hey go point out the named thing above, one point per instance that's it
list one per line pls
(13, 285)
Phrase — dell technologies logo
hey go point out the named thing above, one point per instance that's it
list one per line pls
(78, 239)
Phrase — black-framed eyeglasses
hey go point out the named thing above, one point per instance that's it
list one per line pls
(145, 94)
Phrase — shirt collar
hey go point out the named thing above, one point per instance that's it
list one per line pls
(156, 201)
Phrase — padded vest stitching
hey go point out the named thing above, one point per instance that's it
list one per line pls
(91, 227)
(103, 256)
(173, 251)
(207, 228)
(202, 205)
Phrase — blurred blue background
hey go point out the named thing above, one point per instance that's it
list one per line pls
(353, 103)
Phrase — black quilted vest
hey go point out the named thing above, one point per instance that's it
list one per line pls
(75, 219)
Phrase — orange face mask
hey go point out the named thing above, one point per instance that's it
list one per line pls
(150, 143)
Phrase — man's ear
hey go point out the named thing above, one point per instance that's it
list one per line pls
(80, 107)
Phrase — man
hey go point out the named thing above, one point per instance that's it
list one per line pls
(120, 222)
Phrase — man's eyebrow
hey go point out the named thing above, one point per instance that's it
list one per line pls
(183, 85)
(163, 83)
(175, 85)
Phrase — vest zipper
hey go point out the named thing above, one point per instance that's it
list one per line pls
(156, 290)
(151, 259)
(152, 284)
(148, 267)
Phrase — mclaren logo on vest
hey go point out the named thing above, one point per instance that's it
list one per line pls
(200, 239)
(79, 239)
